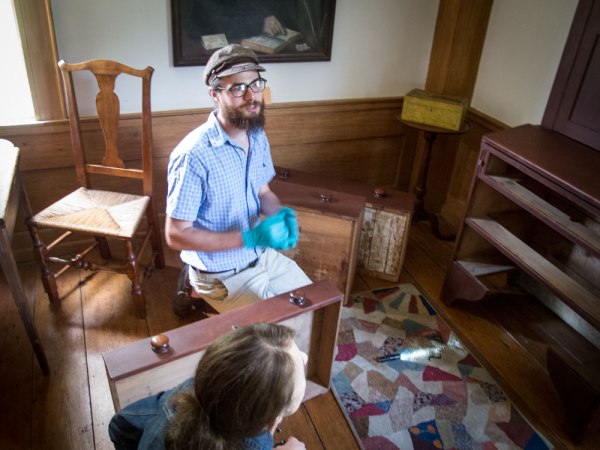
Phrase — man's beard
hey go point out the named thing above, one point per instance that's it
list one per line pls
(237, 119)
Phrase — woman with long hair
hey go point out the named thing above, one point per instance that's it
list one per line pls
(245, 383)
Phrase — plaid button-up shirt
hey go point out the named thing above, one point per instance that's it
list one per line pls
(214, 184)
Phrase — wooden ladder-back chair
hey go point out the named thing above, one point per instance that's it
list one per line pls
(103, 213)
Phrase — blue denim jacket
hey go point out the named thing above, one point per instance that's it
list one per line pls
(142, 424)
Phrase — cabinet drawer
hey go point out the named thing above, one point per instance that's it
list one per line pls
(329, 232)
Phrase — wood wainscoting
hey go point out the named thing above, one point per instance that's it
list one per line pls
(353, 140)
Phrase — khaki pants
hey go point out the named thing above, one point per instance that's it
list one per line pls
(272, 275)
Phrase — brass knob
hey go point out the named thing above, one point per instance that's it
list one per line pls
(160, 343)
(326, 197)
(297, 297)
(379, 192)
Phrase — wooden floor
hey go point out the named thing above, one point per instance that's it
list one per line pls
(71, 408)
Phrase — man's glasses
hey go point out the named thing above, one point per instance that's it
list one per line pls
(240, 89)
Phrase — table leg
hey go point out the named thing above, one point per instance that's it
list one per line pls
(420, 188)
(11, 273)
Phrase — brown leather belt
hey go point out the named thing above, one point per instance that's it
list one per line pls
(252, 264)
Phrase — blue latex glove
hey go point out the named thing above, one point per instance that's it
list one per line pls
(292, 225)
(271, 232)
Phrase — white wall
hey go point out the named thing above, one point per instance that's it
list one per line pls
(380, 49)
(523, 47)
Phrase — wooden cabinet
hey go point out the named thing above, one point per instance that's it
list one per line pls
(383, 233)
(572, 107)
(330, 223)
(530, 246)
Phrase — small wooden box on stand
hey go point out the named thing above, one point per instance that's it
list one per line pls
(386, 218)
(437, 110)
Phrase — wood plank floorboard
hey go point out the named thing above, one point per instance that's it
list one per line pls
(61, 406)
(16, 368)
(109, 323)
(299, 424)
(71, 408)
(325, 415)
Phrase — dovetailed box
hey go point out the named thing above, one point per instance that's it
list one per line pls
(330, 222)
(135, 371)
(380, 246)
(437, 110)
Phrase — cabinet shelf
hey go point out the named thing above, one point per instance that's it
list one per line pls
(527, 258)
(551, 215)
(511, 336)
(484, 268)
(572, 293)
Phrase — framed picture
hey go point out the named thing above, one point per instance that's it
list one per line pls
(277, 30)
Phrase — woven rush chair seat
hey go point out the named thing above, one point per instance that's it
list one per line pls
(91, 211)
(107, 213)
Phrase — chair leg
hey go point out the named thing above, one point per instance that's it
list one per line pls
(40, 252)
(139, 303)
(159, 258)
(103, 247)
(182, 300)
(137, 294)
(155, 238)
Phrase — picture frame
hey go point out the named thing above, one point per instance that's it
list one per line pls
(200, 27)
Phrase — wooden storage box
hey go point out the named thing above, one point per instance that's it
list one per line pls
(136, 371)
(386, 221)
(329, 231)
(385, 233)
(438, 110)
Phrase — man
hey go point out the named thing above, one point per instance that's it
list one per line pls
(218, 186)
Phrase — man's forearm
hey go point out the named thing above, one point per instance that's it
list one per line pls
(269, 203)
(190, 238)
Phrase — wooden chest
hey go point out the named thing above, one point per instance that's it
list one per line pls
(384, 231)
(433, 109)
(329, 231)
(136, 371)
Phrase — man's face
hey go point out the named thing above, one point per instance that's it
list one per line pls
(246, 112)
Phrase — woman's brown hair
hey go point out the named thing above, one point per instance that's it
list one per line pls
(243, 382)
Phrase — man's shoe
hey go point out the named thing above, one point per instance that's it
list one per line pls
(182, 301)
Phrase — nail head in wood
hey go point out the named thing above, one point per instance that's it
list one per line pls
(297, 297)
(379, 192)
(326, 197)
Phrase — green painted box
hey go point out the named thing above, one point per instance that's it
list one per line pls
(437, 110)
